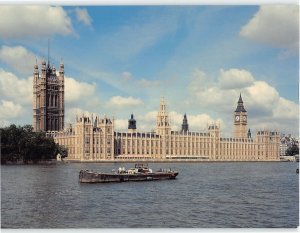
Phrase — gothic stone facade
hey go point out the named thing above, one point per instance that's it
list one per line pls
(92, 139)
(48, 98)
(95, 140)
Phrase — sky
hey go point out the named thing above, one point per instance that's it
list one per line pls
(122, 59)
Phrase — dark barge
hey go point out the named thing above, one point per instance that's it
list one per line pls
(141, 172)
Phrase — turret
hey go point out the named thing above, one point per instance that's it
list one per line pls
(61, 72)
(61, 69)
(132, 124)
(214, 130)
(36, 68)
(185, 125)
(35, 72)
(249, 133)
(44, 69)
(53, 69)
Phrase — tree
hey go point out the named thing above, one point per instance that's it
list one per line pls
(22, 144)
(293, 150)
(63, 151)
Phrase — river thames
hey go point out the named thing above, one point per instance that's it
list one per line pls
(204, 195)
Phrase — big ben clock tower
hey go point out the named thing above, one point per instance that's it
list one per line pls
(240, 120)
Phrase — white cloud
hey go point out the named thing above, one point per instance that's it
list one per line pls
(146, 122)
(215, 98)
(201, 121)
(83, 16)
(121, 124)
(148, 117)
(9, 110)
(276, 25)
(235, 78)
(263, 94)
(33, 21)
(262, 101)
(286, 109)
(175, 120)
(19, 58)
(93, 102)
(120, 101)
(76, 90)
(196, 123)
(71, 113)
(15, 89)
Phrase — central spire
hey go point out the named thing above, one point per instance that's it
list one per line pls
(240, 99)
(162, 104)
(240, 106)
(162, 120)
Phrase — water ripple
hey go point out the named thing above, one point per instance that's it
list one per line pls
(203, 195)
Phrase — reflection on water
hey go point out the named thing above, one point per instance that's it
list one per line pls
(203, 195)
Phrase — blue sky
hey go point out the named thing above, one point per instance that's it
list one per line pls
(122, 59)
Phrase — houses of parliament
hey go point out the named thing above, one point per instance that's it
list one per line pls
(93, 138)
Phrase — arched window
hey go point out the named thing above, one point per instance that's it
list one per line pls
(52, 99)
(56, 102)
(48, 123)
(38, 101)
(38, 124)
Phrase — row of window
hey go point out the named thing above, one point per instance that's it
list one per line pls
(100, 130)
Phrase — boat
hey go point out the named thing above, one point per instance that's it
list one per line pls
(140, 172)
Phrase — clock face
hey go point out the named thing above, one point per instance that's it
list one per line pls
(237, 118)
(244, 118)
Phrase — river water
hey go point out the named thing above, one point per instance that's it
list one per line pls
(203, 195)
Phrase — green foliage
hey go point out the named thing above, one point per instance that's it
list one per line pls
(22, 144)
(293, 150)
(63, 151)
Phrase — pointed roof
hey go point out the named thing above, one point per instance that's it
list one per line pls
(131, 122)
(240, 98)
(249, 133)
(95, 122)
(184, 121)
(131, 118)
(240, 106)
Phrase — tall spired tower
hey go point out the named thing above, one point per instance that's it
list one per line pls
(240, 120)
(48, 98)
(185, 125)
(162, 121)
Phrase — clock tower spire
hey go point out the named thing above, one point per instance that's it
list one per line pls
(240, 120)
